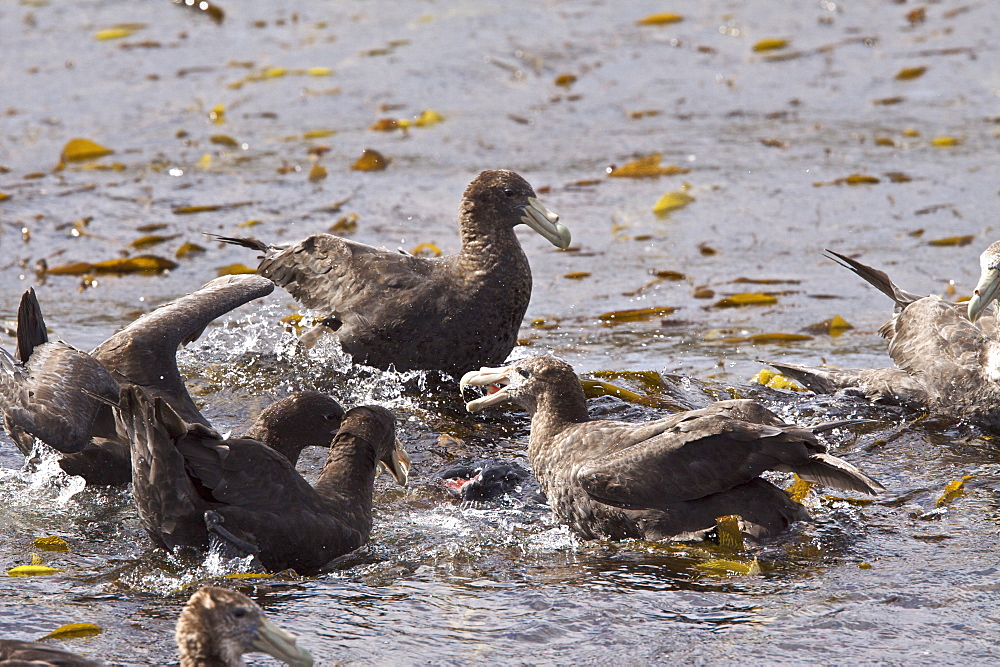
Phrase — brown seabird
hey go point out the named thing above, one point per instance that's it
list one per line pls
(189, 483)
(216, 627)
(40, 389)
(944, 362)
(664, 479)
(414, 313)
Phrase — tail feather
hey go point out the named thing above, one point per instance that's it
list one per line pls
(838, 473)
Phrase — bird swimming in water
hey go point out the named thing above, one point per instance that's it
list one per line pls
(40, 388)
(669, 478)
(190, 484)
(945, 362)
(414, 313)
(216, 627)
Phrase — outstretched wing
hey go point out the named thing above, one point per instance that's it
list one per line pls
(346, 279)
(145, 352)
(44, 397)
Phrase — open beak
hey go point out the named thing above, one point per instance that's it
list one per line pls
(281, 644)
(398, 464)
(986, 291)
(546, 223)
(498, 377)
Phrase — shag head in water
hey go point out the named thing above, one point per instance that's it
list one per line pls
(668, 478)
(414, 313)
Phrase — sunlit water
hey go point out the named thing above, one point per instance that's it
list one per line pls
(902, 580)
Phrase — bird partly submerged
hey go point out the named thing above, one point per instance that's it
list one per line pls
(216, 627)
(414, 313)
(40, 387)
(670, 478)
(190, 484)
(945, 362)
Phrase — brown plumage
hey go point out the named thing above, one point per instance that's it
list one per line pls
(216, 627)
(40, 391)
(665, 479)
(450, 313)
(944, 362)
(189, 484)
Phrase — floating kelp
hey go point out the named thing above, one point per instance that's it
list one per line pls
(953, 490)
(151, 240)
(661, 18)
(577, 275)
(207, 208)
(774, 380)
(371, 160)
(945, 141)
(74, 631)
(646, 167)
(672, 201)
(768, 338)
(137, 264)
(118, 31)
(634, 315)
(204, 7)
(224, 140)
(799, 489)
(596, 388)
(79, 150)
(188, 248)
(426, 250)
(565, 80)
(651, 381)
(953, 241)
(747, 299)
(317, 172)
(718, 567)
(234, 270)
(51, 543)
(728, 533)
(909, 73)
(773, 44)
(853, 179)
(833, 326)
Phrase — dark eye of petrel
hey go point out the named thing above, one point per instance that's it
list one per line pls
(508, 192)
(523, 372)
(329, 417)
(239, 612)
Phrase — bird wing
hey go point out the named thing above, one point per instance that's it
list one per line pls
(169, 504)
(878, 279)
(694, 458)
(145, 352)
(44, 398)
(245, 473)
(30, 326)
(341, 277)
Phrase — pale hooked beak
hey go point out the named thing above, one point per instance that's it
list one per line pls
(281, 644)
(987, 290)
(398, 465)
(546, 223)
(487, 376)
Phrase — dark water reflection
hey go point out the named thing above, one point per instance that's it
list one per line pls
(901, 580)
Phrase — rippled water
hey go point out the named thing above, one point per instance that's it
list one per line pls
(446, 584)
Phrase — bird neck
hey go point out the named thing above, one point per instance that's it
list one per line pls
(349, 472)
(197, 649)
(558, 408)
(272, 438)
(488, 246)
